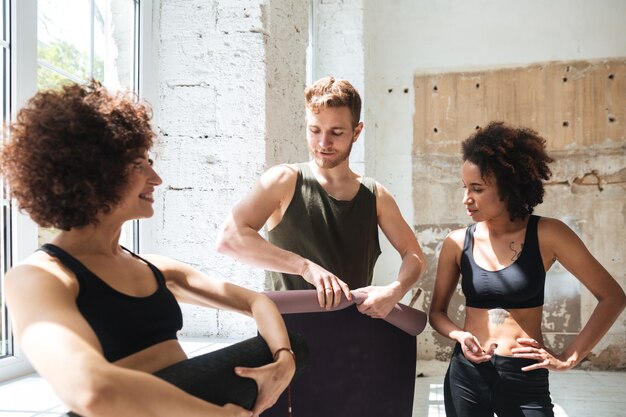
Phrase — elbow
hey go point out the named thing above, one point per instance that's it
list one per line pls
(222, 246)
(433, 318)
(423, 264)
(224, 243)
(89, 402)
(94, 396)
(617, 301)
(419, 269)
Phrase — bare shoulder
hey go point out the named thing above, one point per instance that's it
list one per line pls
(557, 239)
(160, 261)
(280, 175)
(169, 267)
(385, 203)
(40, 264)
(456, 238)
(552, 230)
(382, 191)
(42, 271)
(453, 246)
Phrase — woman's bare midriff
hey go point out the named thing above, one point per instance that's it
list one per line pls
(503, 327)
(155, 357)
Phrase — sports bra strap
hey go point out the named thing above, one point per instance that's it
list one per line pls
(66, 259)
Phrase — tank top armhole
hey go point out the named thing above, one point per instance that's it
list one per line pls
(296, 197)
(370, 184)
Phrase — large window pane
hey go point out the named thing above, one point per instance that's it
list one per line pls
(64, 40)
(84, 39)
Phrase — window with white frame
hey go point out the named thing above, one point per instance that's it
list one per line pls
(84, 40)
(45, 44)
(6, 347)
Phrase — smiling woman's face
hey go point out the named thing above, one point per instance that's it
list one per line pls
(138, 199)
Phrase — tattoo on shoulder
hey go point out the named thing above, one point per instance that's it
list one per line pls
(516, 253)
(497, 316)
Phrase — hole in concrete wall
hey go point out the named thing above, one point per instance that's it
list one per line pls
(477, 127)
(611, 119)
(564, 79)
(435, 88)
(565, 123)
(406, 90)
(477, 85)
(611, 76)
(435, 130)
(390, 90)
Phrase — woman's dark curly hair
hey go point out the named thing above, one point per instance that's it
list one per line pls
(69, 151)
(517, 159)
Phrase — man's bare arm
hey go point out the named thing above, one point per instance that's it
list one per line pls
(266, 203)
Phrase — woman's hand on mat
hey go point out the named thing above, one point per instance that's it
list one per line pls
(271, 379)
(531, 349)
(472, 349)
(233, 410)
(328, 286)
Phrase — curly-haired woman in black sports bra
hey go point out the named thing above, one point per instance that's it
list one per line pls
(500, 363)
(97, 321)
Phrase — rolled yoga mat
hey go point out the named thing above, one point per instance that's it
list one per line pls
(408, 319)
(358, 366)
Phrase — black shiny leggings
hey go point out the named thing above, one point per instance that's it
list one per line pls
(498, 386)
(211, 376)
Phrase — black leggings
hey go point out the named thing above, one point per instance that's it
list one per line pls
(211, 376)
(498, 386)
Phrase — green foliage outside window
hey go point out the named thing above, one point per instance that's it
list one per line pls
(67, 57)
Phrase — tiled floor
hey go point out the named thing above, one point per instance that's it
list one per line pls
(575, 393)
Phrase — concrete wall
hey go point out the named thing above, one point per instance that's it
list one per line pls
(448, 36)
(230, 78)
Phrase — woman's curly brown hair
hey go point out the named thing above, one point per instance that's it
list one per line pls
(517, 159)
(69, 150)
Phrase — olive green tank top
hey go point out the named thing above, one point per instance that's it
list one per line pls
(340, 236)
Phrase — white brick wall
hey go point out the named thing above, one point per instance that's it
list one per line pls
(230, 79)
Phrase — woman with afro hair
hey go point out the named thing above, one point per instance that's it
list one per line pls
(500, 362)
(97, 321)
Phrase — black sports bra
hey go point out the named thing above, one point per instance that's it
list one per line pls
(519, 285)
(124, 324)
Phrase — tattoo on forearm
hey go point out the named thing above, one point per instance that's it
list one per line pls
(498, 315)
(516, 254)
